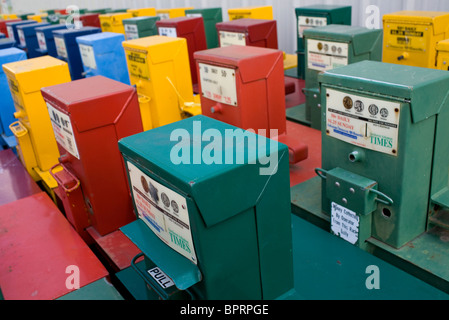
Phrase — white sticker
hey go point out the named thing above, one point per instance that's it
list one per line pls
(131, 31)
(364, 122)
(168, 32)
(305, 22)
(161, 278)
(194, 15)
(232, 39)
(88, 56)
(62, 127)
(218, 84)
(344, 223)
(78, 24)
(163, 15)
(10, 32)
(164, 211)
(326, 55)
(60, 47)
(41, 40)
(21, 37)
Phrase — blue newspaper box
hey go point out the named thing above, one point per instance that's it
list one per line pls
(46, 40)
(68, 50)
(7, 43)
(102, 54)
(11, 27)
(7, 108)
(28, 40)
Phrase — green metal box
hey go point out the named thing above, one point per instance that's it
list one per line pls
(210, 229)
(100, 11)
(317, 16)
(211, 16)
(386, 123)
(330, 47)
(140, 27)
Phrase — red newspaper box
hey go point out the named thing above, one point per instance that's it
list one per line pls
(3, 28)
(251, 32)
(89, 117)
(248, 32)
(90, 20)
(244, 86)
(190, 28)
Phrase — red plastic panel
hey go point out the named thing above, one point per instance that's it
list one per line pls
(37, 244)
(259, 82)
(90, 20)
(192, 29)
(3, 28)
(116, 247)
(258, 32)
(104, 113)
(15, 182)
(305, 170)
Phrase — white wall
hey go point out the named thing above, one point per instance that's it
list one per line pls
(284, 10)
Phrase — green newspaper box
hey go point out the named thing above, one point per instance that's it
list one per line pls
(140, 27)
(210, 230)
(327, 48)
(211, 16)
(317, 16)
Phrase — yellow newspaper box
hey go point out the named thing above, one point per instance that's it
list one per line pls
(159, 67)
(8, 16)
(36, 143)
(443, 55)
(142, 12)
(411, 37)
(113, 22)
(265, 12)
(172, 12)
(37, 17)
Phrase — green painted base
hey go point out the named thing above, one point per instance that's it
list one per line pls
(329, 268)
(293, 73)
(426, 257)
(98, 290)
(306, 203)
(298, 114)
(135, 285)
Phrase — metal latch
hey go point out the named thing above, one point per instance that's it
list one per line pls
(353, 191)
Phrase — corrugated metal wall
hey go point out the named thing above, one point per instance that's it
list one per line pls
(284, 10)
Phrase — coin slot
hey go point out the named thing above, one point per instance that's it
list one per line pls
(386, 213)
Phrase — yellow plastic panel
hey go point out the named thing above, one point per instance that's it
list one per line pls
(37, 17)
(172, 12)
(411, 37)
(113, 22)
(265, 12)
(443, 55)
(26, 78)
(143, 12)
(9, 16)
(159, 67)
